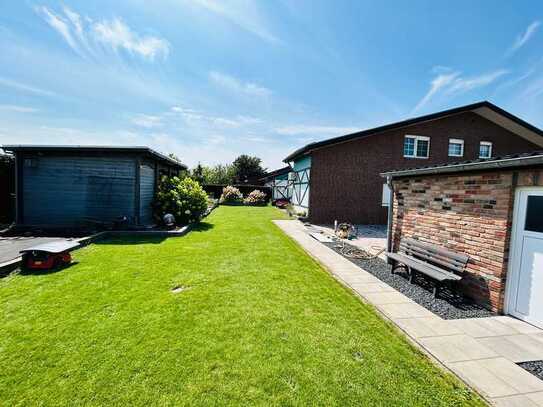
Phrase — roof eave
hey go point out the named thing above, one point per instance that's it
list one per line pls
(478, 166)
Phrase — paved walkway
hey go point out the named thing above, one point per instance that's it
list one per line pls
(371, 238)
(481, 351)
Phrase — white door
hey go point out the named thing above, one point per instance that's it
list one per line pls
(525, 282)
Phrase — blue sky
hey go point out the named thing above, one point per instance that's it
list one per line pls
(209, 80)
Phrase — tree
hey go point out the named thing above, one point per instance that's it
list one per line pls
(219, 174)
(248, 169)
(197, 174)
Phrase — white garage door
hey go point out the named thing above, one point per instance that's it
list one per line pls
(525, 282)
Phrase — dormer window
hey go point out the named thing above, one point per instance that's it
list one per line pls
(456, 147)
(485, 149)
(416, 146)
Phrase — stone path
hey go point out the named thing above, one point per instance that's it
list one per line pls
(481, 351)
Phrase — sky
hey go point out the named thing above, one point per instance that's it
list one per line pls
(208, 80)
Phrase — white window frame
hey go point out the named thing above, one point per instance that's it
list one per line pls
(485, 143)
(456, 141)
(416, 138)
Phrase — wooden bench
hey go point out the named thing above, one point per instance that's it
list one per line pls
(441, 265)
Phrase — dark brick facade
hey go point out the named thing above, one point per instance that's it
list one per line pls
(345, 180)
(466, 213)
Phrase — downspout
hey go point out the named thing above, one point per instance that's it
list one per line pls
(390, 213)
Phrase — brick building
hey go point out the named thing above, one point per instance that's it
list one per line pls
(339, 178)
(491, 210)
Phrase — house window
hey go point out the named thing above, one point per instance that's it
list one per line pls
(485, 149)
(456, 147)
(416, 146)
(386, 195)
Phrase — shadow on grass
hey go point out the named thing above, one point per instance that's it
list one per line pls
(36, 272)
(149, 239)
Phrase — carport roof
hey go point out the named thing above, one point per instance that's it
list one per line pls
(94, 149)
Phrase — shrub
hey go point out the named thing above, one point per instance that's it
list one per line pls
(256, 197)
(231, 195)
(184, 198)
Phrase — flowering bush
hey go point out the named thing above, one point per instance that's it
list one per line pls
(256, 197)
(184, 198)
(231, 195)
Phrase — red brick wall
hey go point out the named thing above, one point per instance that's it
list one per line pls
(345, 180)
(468, 213)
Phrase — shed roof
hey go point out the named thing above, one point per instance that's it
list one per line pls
(276, 173)
(94, 149)
(510, 161)
(485, 109)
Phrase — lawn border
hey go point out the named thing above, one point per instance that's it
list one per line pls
(412, 341)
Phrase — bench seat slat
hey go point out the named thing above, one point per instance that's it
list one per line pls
(425, 268)
(463, 258)
(425, 255)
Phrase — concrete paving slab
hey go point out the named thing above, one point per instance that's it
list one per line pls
(537, 337)
(483, 327)
(364, 288)
(517, 348)
(521, 326)
(514, 401)
(387, 297)
(456, 348)
(407, 310)
(536, 398)
(427, 327)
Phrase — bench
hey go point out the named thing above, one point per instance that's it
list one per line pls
(441, 265)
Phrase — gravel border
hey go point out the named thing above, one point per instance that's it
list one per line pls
(449, 305)
(535, 367)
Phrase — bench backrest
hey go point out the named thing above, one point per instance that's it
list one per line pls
(433, 254)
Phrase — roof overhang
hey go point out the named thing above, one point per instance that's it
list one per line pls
(534, 159)
(13, 148)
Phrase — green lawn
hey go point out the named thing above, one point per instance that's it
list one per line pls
(260, 323)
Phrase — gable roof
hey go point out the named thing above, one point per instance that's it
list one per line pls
(534, 158)
(94, 149)
(485, 109)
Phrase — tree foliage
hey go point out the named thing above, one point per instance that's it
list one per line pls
(248, 169)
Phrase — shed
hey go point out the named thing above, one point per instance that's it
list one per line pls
(491, 210)
(68, 186)
(278, 181)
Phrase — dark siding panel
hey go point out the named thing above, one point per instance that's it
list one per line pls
(65, 190)
(147, 193)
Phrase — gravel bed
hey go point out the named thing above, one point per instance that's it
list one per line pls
(449, 305)
(534, 367)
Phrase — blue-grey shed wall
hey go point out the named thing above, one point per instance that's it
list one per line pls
(147, 193)
(66, 190)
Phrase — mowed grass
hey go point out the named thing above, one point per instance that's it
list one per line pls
(260, 323)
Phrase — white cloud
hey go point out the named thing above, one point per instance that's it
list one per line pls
(24, 87)
(18, 109)
(80, 31)
(147, 121)
(243, 13)
(310, 130)
(118, 35)
(237, 86)
(450, 83)
(438, 83)
(524, 37)
(59, 24)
